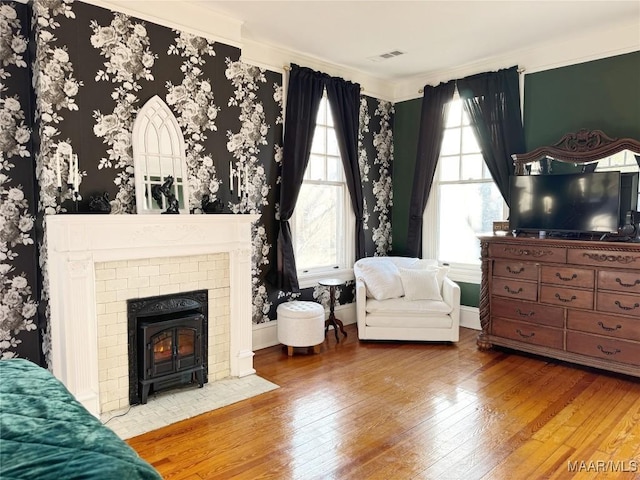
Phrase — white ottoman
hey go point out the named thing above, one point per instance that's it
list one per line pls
(300, 324)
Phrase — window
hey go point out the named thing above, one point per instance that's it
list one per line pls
(321, 224)
(464, 200)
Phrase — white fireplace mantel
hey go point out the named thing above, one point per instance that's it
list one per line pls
(74, 243)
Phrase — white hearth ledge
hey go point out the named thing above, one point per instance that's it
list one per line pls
(75, 242)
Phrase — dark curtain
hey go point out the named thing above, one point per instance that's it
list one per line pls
(303, 99)
(344, 98)
(432, 120)
(492, 101)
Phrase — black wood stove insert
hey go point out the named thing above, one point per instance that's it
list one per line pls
(168, 345)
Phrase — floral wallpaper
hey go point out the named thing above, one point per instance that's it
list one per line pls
(18, 267)
(92, 70)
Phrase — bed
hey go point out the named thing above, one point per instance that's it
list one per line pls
(46, 434)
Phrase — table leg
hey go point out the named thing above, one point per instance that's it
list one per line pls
(332, 320)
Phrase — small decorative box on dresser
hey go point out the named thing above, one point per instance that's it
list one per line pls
(572, 300)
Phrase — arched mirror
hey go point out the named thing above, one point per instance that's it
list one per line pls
(159, 156)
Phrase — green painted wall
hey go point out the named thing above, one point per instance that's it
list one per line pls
(469, 294)
(602, 94)
(405, 146)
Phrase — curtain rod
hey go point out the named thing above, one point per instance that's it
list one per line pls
(287, 68)
(520, 71)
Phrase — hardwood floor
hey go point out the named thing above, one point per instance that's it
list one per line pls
(411, 410)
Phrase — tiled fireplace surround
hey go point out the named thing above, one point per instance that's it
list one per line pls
(97, 262)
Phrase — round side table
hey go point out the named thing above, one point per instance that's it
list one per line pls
(332, 283)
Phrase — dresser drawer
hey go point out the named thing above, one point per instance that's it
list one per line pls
(511, 269)
(626, 282)
(569, 276)
(604, 258)
(527, 332)
(514, 289)
(567, 297)
(528, 311)
(603, 347)
(618, 303)
(604, 324)
(528, 252)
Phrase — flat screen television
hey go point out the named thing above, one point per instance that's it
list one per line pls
(579, 203)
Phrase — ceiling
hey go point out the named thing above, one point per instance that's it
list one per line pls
(433, 35)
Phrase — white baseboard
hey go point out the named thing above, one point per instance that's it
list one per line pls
(470, 317)
(266, 334)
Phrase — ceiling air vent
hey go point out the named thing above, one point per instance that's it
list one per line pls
(386, 56)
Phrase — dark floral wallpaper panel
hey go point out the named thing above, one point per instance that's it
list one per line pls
(18, 255)
(93, 69)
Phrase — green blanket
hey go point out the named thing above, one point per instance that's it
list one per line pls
(46, 434)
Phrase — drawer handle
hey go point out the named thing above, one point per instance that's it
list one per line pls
(635, 305)
(628, 285)
(525, 335)
(522, 314)
(566, 279)
(609, 329)
(515, 272)
(513, 292)
(566, 300)
(608, 352)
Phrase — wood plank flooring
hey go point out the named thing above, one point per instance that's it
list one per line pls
(385, 410)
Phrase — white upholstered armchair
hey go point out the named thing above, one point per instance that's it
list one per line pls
(399, 298)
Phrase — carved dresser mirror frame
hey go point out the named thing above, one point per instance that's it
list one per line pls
(582, 147)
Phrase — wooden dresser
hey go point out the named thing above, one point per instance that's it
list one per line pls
(572, 300)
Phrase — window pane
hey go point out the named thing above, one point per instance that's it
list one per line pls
(332, 143)
(449, 169)
(318, 226)
(316, 167)
(465, 116)
(451, 142)
(469, 143)
(471, 167)
(153, 166)
(329, 113)
(321, 118)
(319, 140)
(334, 169)
(465, 211)
(453, 113)
(166, 166)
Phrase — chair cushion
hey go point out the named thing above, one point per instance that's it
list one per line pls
(382, 279)
(423, 283)
(402, 306)
(419, 284)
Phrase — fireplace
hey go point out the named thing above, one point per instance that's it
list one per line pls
(167, 344)
(88, 253)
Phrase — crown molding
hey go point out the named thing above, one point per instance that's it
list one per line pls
(592, 45)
